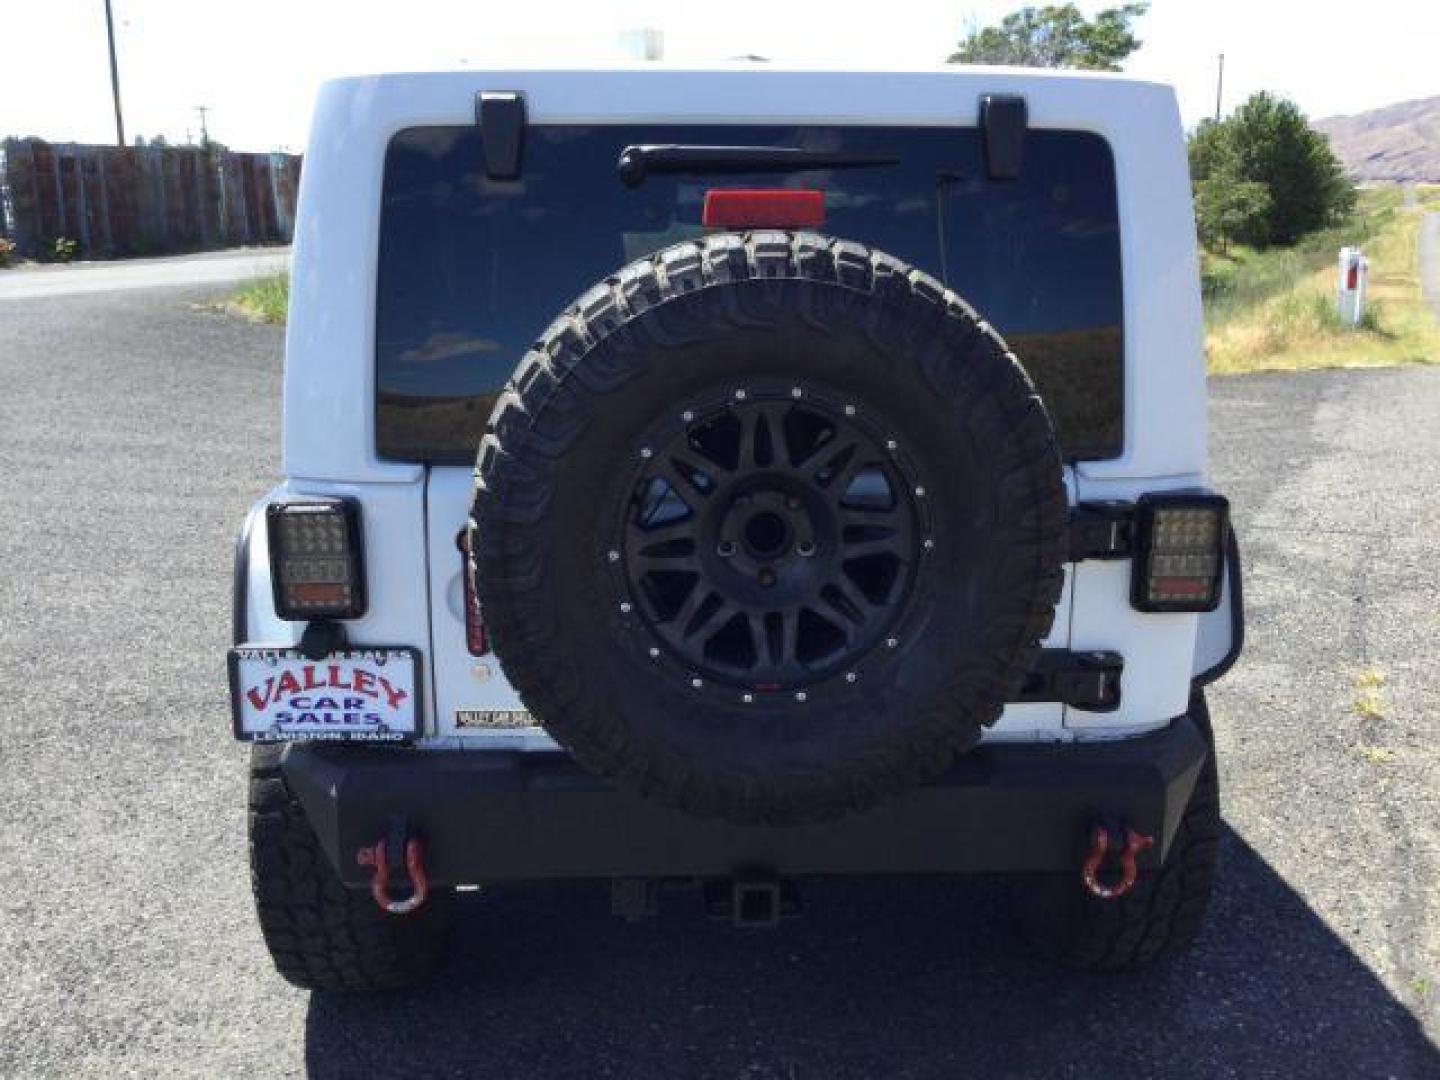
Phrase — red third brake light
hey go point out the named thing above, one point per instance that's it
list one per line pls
(754, 208)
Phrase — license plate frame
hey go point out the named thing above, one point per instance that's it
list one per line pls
(330, 677)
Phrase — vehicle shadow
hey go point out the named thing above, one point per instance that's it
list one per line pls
(899, 978)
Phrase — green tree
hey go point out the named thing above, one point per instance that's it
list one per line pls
(1267, 142)
(1227, 208)
(1055, 36)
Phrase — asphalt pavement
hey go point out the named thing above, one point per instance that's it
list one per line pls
(173, 271)
(136, 427)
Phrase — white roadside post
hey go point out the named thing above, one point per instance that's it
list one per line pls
(1354, 268)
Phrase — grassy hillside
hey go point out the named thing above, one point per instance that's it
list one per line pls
(1275, 310)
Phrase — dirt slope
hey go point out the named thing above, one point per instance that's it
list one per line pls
(1394, 144)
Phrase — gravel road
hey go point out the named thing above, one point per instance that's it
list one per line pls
(136, 430)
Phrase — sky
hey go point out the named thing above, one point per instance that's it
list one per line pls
(255, 64)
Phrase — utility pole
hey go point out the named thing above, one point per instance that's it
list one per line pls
(204, 131)
(1219, 86)
(114, 76)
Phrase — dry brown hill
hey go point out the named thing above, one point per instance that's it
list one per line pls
(1391, 145)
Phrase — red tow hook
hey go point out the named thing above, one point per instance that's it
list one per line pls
(1135, 843)
(376, 858)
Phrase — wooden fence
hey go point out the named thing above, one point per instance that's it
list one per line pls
(142, 200)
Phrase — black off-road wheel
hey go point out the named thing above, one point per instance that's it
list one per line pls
(321, 935)
(1158, 918)
(768, 527)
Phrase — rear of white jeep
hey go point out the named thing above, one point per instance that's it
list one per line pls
(840, 505)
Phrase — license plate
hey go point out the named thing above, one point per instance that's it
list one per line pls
(358, 695)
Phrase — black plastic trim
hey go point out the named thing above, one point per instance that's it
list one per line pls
(1003, 120)
(1101, 530)
(501, 117)
(240, 585)
(1089, 681)
(1235, 590)
(638, 162)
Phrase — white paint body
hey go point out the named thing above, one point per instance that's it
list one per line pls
(412, 514)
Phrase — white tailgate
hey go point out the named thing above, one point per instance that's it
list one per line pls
(468, 684)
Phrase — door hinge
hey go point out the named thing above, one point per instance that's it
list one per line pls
(1101, 530)
(501, 117)
(1081, 680)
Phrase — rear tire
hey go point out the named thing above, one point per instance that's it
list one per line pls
(321, 935)
(1158, 918)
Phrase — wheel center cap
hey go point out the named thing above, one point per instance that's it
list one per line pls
(766, 534)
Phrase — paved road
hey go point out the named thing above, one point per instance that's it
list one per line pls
(136, 429)
(177, 271)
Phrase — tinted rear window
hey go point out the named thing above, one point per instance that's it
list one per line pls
(472, 270)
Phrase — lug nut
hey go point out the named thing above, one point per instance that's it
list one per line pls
(747, 698)
(850, 676)
(687, 416)
(646, 453)
(739, 395)
(891, 642)
(725, 548)
(805, 549)
(613, 556)
(654, 653)
(796, 392)
(625, 608)
(928, 544)
(891, 444)
(919, 492)
(849, 410)
(697, 683)
(800, 695)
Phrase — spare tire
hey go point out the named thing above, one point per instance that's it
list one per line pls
(768, 527)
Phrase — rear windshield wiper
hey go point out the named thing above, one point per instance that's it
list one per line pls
(638, 162)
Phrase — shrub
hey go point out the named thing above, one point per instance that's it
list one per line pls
(1264, 177)
(64, 249)
(7, 249)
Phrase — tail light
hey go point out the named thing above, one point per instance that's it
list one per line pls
(763, 208)
(315, 559)
(1179, 555)
(477, 641)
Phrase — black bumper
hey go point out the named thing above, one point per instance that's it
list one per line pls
(496, 816)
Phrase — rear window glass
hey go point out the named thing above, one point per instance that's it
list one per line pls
(473, 270)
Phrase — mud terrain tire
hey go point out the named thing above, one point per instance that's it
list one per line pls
(841, 696)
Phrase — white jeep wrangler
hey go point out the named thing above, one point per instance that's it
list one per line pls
(853, 519)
